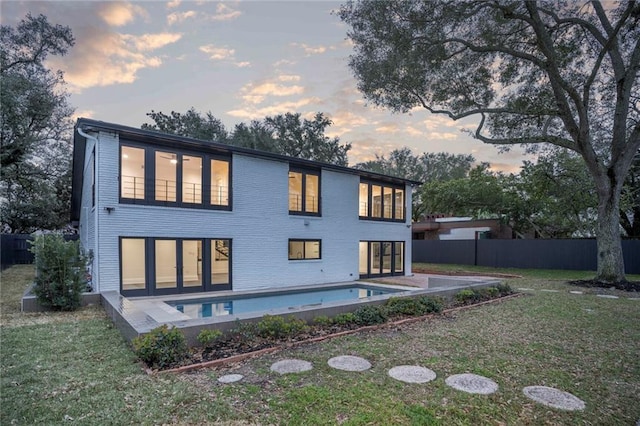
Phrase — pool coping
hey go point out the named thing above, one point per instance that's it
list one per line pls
(132, 321)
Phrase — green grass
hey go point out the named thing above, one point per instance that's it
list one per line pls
(77, 366)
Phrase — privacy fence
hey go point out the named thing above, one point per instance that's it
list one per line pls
(577, 254)
(14, 249)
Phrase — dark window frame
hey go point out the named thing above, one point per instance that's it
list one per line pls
(150, 175)
(383, 185)
(306, 171)
(373, 274)
(304, 255)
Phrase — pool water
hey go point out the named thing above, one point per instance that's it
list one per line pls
(215, 306)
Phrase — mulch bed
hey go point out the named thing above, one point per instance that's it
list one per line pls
(463, 273)
(631, 286)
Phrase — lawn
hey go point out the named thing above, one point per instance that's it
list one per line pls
(63, 367)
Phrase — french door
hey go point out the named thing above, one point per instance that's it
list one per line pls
(381, 258)
(158, 266)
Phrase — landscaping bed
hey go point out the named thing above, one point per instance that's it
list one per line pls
(632, 286)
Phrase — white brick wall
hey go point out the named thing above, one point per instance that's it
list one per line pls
(259, 225)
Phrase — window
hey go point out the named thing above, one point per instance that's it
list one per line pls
(381, 258)
(220, 252)
(132, 173)
(174, 178)
(304, 192)
(132, 256)
(379, 201)
(304, 249)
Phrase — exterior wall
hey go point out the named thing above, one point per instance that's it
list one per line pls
(259, 224)
(87, 227)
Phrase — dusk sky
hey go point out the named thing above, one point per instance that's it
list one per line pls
(240, 60)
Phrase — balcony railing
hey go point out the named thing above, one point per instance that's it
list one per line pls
(165, 190)
(132, 187)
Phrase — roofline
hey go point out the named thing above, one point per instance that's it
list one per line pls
(87, 125)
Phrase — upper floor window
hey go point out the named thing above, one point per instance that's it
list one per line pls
(381, 201)
(174, 178)
(304, 192)
(304, 249)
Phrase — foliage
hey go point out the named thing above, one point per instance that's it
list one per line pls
(370, 315)
(504, 289)
(476, 295)
(285, 134)
(413, 306)
(191, 124)
(35, 127)
(208, 336)
(322, 321)
(542, 75)
(345, 318)
(162, 347)
(277, 327)
(432, 304)
(60, 271)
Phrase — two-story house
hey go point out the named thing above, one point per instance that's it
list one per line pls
(164, 214)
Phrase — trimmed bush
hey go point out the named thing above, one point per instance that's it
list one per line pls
(405, 306)
(162, 347)
(61, 272)
(432, 304)
(504, 289)
(207, 336)
(370, 315)
(344, 319)
(275, 327)
(322, 320)
(466, 296)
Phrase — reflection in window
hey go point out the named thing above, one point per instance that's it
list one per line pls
(220, 253)
(132, 173)
(304, 192)
(166, 164)
(304, 249)
(219, 182)
(132, 256)
(191, 179)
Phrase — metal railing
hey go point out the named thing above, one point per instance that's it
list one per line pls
(220, 195)
(132, 187)
(165, 190)
(191, 193)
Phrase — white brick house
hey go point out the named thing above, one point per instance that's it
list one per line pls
(165, 214)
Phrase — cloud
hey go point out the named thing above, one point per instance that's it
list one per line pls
(253, 113)
(312, 50)
(178, 17)
(282, 62)
(242, 64)
(147, 42)
(225, 13)
(255, 93)
(388, 128)
(173, 4)
(117, 14)
(218, 53)
(289, 77)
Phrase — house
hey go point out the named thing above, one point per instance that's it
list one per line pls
(164, 214)
(439, 227)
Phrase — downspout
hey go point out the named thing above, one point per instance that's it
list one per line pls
(96, 257)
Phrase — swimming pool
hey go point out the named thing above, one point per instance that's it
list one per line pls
(219, 306)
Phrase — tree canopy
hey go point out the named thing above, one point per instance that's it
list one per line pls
(286, 134)
(35, 127)
(536, 73)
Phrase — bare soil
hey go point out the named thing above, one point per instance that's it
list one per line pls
(630, 286)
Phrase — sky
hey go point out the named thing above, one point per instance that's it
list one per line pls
(241, 60)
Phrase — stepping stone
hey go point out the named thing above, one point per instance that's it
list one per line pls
(472, 383)
(524, 289)
(607, 296)
(230, 378)
(349, 363)
(412, 374)
(550, 291)
(576, 292)
(291, 366)
(554, 398)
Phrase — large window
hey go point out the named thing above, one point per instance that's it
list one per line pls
(380, 201)
(304, 249)
(151, 266)
(304, 192)
(381, 258)
(174, 178)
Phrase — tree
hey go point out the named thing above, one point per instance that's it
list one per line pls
(630, 204)
(534, 73)
(35, 127)
(191, 124)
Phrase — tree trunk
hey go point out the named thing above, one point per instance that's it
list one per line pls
(610, 260)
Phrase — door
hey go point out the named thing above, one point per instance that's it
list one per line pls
(381, 258)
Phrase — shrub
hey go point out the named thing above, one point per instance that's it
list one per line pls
(244, 331)
(432, 304)
(370, 315)
(60, 272)
(465, 296)
(322, 320)
(207, 336)
(345, 318)
(276, 327)
(405, 306)
(162, 347)
(504, 289)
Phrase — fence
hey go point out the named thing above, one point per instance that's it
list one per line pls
(576, 254)
(14, 249)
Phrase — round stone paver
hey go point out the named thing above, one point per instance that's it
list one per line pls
(607, 296)
(349, 363)
(472, 383)
(554, 398)
(412, 374)
(230, 378)
(291, 366)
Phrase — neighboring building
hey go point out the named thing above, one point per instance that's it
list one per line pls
(165, 214)
(438, 227)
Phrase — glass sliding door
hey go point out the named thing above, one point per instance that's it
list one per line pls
(220, 264)
(380, 258)
(192, 264)
(166, 267)
(386, 258)
(398, 259)
(133, 265)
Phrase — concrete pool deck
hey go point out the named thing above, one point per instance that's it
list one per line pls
(138, 316)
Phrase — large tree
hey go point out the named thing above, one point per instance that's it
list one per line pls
(191, 124)
(35, 127)
(535, 73)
